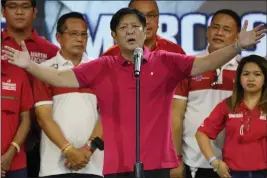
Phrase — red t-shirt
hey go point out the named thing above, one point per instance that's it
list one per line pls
(161, 44)
(112, 78)
(16, 97)
(244, 150)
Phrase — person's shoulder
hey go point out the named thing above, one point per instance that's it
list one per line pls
(47, 44)
(50, 62)
(112, 51)
(169, 45)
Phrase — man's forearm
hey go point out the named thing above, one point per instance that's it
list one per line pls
(177, 136)
(214, 60)
(53, 132)
(54, 77)
(23, 129)
(98, 131)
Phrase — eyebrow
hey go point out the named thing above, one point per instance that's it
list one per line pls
(253, 71)
(225, 26)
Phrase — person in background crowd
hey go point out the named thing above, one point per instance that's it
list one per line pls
(153, 42)
(19, 15)
(112, 78)
(16, 101)
(67, 116)
(196, 97)
(244, 117)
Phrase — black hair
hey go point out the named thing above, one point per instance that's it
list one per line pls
(3, 3)
(130, 3)
(61, 27)
(231, 13)
(116, 18)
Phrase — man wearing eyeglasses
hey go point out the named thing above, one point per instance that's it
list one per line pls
(196, 97)
(19, 16)
(153, 42)
(67, 116)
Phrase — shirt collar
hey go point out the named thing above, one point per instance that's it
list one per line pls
(61, 61)
(124, 62)
(33, 36)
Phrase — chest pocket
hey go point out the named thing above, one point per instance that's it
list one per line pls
(10, 104)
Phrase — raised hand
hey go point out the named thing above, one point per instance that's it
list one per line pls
(21, 59)
(249, 38)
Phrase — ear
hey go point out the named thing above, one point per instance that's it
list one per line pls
(3, 12)
(207, 31)
(35, 12)
(58, 37)
(113, 34)
(145, 29)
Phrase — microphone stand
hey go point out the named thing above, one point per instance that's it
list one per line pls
(138, 167)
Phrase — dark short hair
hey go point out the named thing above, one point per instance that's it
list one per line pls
(61, 26)
(3, 3)
(116, 18)
(130, 3)
(231, 13)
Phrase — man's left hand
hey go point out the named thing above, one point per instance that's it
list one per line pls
(249, 38)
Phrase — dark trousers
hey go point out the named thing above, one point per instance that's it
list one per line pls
(201, 173)
(158, 173)
(21, 173)
(246, 174)
(73, 176)
(33, 161)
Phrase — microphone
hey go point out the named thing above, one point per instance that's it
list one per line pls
(138, 57)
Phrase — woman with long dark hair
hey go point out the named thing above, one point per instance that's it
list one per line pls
(243, 115)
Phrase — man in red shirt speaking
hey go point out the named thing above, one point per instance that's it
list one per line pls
(112, 78)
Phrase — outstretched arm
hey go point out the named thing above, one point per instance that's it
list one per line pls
(58, 78)
(218, 58)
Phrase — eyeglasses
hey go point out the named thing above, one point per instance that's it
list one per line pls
(15, 7)
(214, 84)
(76, 34)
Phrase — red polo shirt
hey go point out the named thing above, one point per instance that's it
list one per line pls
(244, 150)
(161, 44)
(112, 77)
(39, 48)
(16, 98)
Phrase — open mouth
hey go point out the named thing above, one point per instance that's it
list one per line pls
(217, 40)
(131, 40)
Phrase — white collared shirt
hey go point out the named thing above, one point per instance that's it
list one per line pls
(75, 111)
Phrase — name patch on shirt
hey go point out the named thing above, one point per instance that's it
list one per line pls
(9, 86)
(234, 116)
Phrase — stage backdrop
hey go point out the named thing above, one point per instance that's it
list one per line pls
(183, 22)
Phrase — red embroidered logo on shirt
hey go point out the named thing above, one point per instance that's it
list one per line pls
(9, 86)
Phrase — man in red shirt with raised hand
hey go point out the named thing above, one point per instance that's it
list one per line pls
(112, 78)
(153, 42)
(16, 100)
(19, 15)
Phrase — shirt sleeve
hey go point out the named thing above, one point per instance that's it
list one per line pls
(26, 101)
(215, 123)
(182, 90)
(87, 73)
(42, 93)
(180, 64)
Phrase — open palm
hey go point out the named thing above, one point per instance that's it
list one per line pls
(19, 58)
(249, 38)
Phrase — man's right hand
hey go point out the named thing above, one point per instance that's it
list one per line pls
(178, 172)
(77, 158)
(21, 59)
